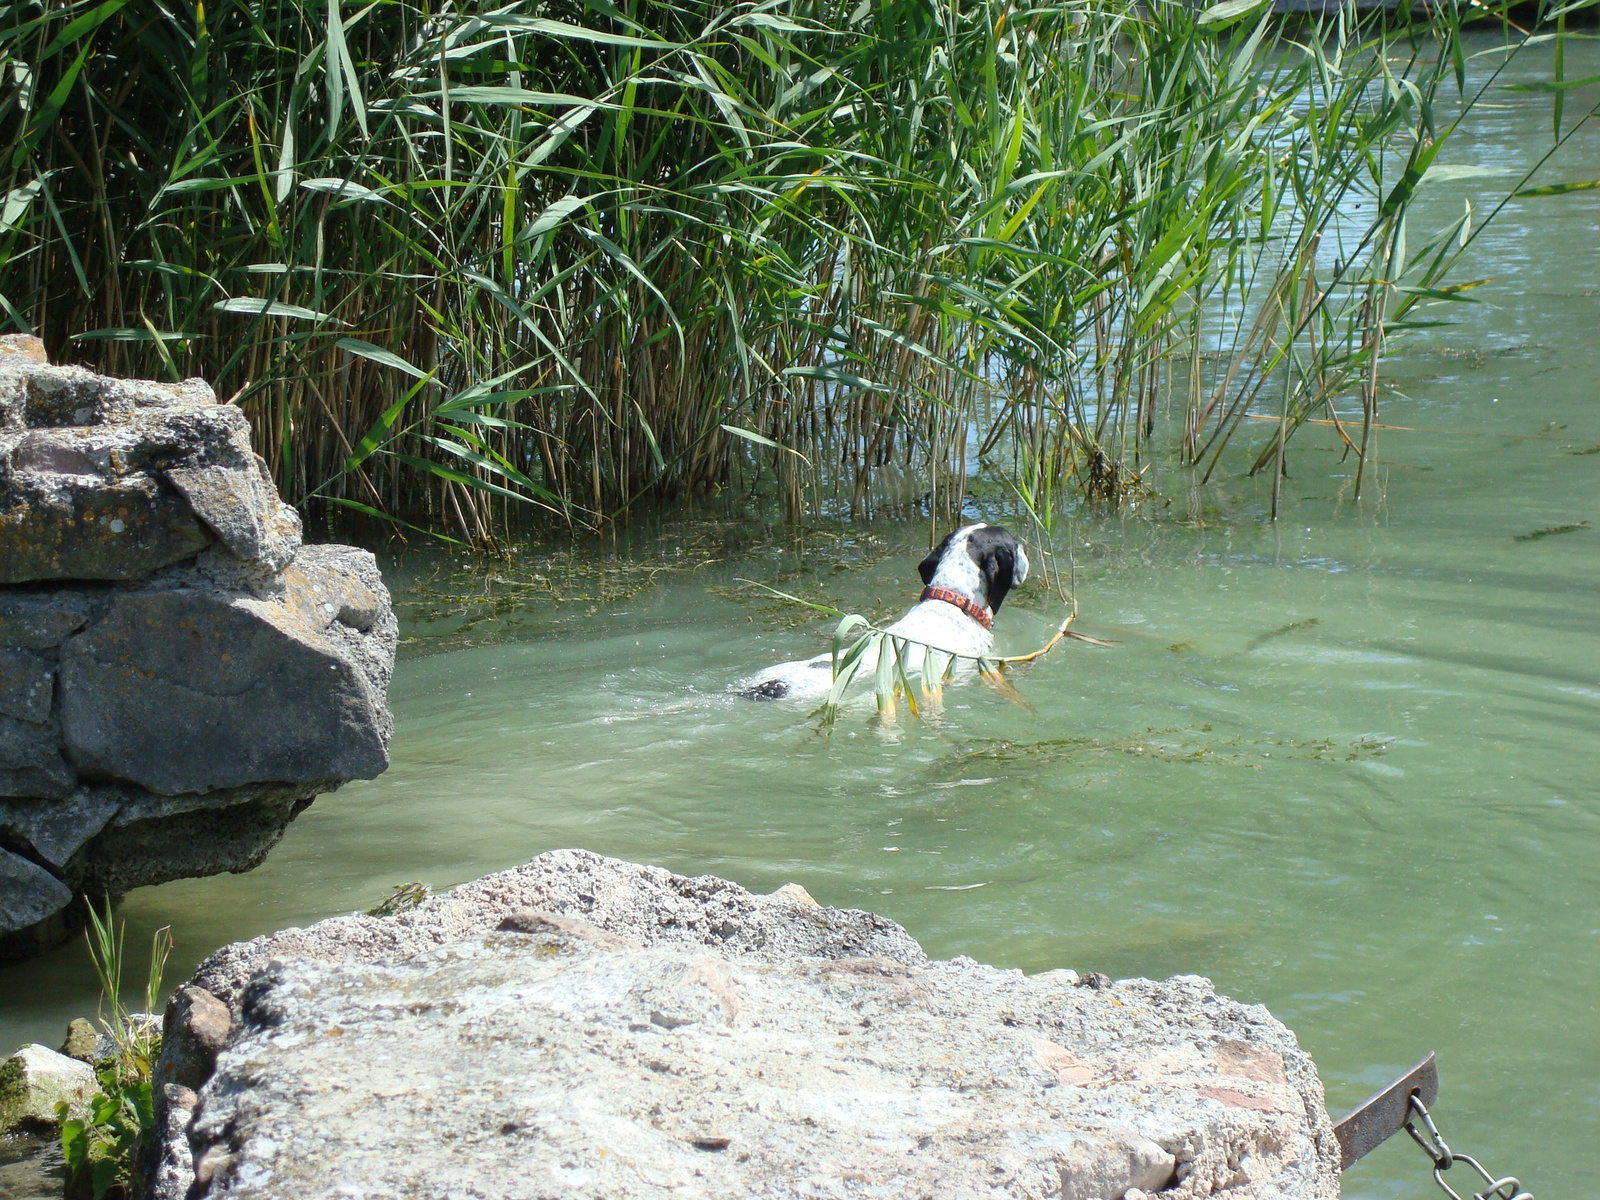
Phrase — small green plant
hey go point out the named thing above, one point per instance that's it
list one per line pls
(404, 896)
(101, 1150)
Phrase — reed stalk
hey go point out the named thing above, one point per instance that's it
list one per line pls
(575, 255)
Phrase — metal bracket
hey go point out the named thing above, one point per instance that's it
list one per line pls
(1385, 1112)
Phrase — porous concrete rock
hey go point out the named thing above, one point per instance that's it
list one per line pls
(644, 903)
(632, 1033)
(179, 676)
(34, 1080)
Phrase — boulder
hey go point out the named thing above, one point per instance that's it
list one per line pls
(31, 762)
(581, 1027)
(29, 894)
(42, 620)
(179, 676)
(191, 690)
(34, 1080)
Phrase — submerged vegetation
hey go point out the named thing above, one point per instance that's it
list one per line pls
(577, 254)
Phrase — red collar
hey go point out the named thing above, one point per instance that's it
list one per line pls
(972, 608)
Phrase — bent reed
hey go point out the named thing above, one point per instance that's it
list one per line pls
(577, 254)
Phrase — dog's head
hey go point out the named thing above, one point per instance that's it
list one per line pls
(982, 562)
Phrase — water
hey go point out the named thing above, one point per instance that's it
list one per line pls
(1344, 765)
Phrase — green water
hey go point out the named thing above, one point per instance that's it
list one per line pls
(1344, 765)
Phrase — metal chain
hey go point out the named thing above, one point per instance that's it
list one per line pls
(1435, 1147)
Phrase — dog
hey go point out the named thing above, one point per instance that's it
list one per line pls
(965, 580)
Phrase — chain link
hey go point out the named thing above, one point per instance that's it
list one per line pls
(1437, 1149)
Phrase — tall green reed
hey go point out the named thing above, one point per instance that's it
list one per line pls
(577, 254)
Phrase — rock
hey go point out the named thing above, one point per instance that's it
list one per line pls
(28, 893)
(168, 1163)
(41, 621)
(149, 842)
(179, 676)
(796, 893)
(632, 1033)
(27, 685)
(21, 348)
(112, 479)
(56, 831)
(34, 1080)
(82, 1040)
(646, 904)
(61, 518)
(188, 690)
(242, 508)
(1063, 975)
(31, 763)
(193, 1032)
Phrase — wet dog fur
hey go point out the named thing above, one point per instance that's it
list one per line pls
(980, 562)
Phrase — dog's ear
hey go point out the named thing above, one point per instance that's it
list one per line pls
(1002, 561)
(929, 565)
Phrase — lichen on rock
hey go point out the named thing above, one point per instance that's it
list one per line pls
(179, 675)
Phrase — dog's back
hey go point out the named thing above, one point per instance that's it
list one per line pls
(965, 579)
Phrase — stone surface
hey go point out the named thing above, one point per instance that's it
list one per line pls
(27, 685)
(168, 1164)
(83, 1039)
(34, 1080)
(42, 620)
(31, 762)
(108, 479)
(21, 348)
(28, 893)
(631, 1033)
(644, 903)
(191, 690)
(179, 676)
(56, 830)
(193, 1033)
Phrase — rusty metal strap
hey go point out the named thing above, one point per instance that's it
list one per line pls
(1385, 1113)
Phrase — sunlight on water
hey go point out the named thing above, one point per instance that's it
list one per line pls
(1343, 765)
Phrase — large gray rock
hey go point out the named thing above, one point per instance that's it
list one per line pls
(112, 479)
(643, 1034)
(179, 676)
(31, 762)
(191, 690)
(29, 894)
(42, 620)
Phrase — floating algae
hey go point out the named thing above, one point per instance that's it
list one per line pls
(1551, 531)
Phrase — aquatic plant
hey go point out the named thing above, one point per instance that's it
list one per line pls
(101, 1149)
(460, 262)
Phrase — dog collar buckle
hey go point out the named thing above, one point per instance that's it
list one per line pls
(972, 608)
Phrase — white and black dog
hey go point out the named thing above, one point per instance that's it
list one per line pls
(965, 578)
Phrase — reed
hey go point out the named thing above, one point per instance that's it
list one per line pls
(575, 255)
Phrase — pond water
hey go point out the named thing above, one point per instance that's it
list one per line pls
(1344, 765)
